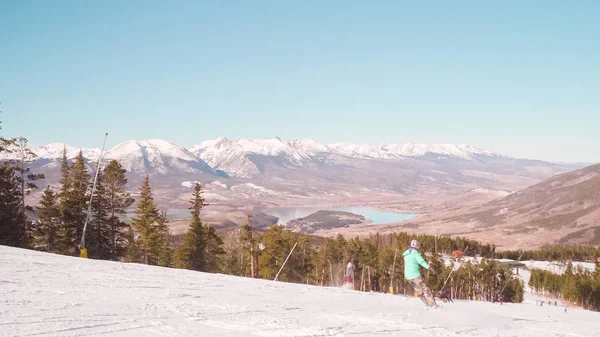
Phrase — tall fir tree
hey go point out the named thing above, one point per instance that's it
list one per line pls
(153, 234)
(214, 250)
(117, 200)
(160, 243)
(248, 248)
(132, 248)
(97, 236)
(46, 227)
(74, 193)
(191, 253)
(64, 232)
(17, 182)
(27, 179)
(79, 197)
(12, 232)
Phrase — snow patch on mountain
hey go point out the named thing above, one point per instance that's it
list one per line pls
(309, 146)
(250, 186)
(189, 184)
(218, 183)
(210, 196)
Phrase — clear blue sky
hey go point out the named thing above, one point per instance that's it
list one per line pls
(518, 77)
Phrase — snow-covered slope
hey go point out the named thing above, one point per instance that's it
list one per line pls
(51, 295)
(156, 155)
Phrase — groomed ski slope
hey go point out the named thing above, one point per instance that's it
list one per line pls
(50, 295)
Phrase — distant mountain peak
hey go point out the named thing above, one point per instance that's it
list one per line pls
(157, 155)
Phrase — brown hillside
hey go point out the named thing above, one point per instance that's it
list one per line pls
(564, 209)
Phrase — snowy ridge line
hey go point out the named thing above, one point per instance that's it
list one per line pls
(305, 148)
(244, 158)
(301, 149)
(49, 294)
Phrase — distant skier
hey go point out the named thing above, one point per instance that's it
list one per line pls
(350, 275)
(412, 260)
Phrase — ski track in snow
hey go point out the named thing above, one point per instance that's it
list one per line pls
(51, 295)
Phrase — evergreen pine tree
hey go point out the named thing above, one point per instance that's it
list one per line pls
(132, 248)
(160, 242)
(569, 289)
(64, 233)
(117, 201)
(46, 227)
(247, 249)
(27, 178)
(75, 181)
(12, 232)
(191, 253)
(277, 247)
(214, 249)
(144, 225)
(97, 236)
(79, 197)
(16, 174)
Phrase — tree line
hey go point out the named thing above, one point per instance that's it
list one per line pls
(378, 261)
(578, 286)
(555, 253)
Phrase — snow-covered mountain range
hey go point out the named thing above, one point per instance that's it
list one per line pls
(246, 158)
(261, 172)
(137, 156)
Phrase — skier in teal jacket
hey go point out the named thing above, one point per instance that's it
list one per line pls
(412, 261)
